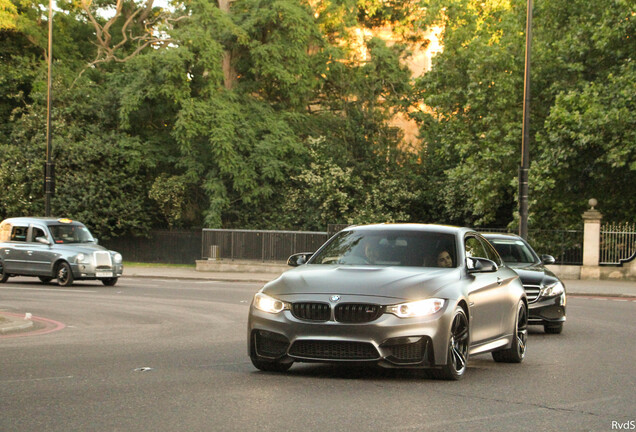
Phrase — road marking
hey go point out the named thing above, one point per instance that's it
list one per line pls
(50, 326)
(37, 379)
(48, 289)
(600, 298)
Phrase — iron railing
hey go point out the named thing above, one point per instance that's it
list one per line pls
(618, 243)
(161, 246)
(261, 245)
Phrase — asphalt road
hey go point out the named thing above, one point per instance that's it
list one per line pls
(170, 355)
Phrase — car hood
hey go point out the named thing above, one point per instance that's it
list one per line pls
(405, 283)
(534, 274)
(76, 248)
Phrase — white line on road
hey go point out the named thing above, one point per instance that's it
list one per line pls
(48, 289)
(36, 379)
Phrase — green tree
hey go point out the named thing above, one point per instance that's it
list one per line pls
(582, 97)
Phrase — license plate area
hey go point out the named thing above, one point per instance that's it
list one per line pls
(102, 273)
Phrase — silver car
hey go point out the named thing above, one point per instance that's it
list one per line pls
(51, 248)
(399, 295)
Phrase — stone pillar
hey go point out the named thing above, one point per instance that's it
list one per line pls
(591, 242)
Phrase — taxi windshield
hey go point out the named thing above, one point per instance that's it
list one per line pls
(63, 234)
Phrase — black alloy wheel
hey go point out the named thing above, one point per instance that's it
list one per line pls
(3, 275)
(109, 281)
(64, 274)
(517, 350)
(457, 357)
(45, 279)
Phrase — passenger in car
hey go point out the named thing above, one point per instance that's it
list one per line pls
(444, 259)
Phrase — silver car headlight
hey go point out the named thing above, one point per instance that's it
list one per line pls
(82, 258)
(117, 258)
(269, 304)
(419, 308)
(553, 290)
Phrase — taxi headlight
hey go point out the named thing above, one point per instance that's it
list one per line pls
(117, 258)
(82, 258)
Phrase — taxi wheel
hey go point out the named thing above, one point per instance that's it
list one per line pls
(64, 274)
(109, 281)
(3, 275)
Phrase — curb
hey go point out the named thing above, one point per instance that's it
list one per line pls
(14, 324)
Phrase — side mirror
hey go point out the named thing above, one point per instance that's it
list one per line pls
(96, 241)
(547, 259)
(299, 259)
(480, 265)
(42, 240)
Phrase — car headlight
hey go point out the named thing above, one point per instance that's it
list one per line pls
(419, 308)
(117, 258)
(82, 258)
(269, 304)
(553, 290)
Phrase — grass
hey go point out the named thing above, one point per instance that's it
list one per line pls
(140, 264)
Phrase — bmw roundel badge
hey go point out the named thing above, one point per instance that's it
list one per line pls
(334, 298)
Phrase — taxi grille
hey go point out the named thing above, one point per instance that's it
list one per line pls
(333, 350)
(357, 312)
(312, 311)
(102, 259)
(532, 292)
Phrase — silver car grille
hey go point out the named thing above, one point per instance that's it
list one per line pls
(532, 292)
(102, 259)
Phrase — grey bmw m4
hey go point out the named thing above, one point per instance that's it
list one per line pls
(398, 295)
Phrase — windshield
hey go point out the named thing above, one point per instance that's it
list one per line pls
(63, 234)
(388, 248)
(513, 251)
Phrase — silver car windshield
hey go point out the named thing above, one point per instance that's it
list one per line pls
(389, 248)
(514, 251)
(63, 234)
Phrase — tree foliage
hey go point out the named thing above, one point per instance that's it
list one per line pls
(581, 109)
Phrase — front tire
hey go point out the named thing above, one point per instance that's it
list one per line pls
(553, 328)
(269, 365)
(457, 354)
(517, 351)
(109, 281)
(64, 274)
(3, 276)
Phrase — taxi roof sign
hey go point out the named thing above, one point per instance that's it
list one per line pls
(64, 220)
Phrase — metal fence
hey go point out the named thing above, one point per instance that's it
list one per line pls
(618, 243)
(261, 245)
(161, 246)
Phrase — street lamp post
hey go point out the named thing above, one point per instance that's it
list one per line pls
(525, 140)
(49, 167)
